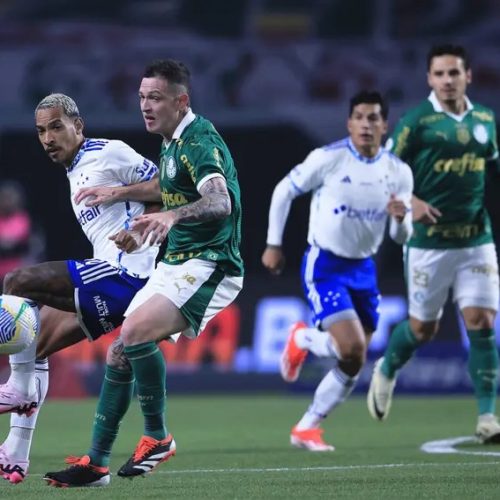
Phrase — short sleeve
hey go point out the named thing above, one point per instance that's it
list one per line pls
(203, 161)
(130, 166)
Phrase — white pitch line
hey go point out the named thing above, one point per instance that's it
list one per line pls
(316, 469)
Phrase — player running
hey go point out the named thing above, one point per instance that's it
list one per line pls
(357, 185)
(450, 143)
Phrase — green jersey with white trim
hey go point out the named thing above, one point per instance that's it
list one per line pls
(187, 162)
(449, 156)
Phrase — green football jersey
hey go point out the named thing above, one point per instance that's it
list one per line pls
(448, 157)
(198, 153)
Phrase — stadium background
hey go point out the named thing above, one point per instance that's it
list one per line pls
(275, 77)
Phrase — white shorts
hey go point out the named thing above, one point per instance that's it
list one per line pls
(472, 274)
(197, 287)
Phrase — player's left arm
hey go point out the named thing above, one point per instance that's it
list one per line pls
(399, 207)
(205, 164)
(215, 203)
(493, 158)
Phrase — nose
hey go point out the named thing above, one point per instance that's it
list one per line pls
(47, 138)
(145, 106)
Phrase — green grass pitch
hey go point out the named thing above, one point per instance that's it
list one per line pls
(236, 446)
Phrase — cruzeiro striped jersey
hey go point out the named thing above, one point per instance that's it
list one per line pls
(103, 162)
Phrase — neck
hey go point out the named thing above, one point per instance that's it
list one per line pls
(457, 106)
(367, 151)
(168, 134)
(73, 156)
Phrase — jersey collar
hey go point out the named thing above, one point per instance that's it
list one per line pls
(185, 122)
(359, 156)
(78, 156)
(439, 109)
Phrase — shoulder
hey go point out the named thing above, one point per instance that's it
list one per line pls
(483, 113)
(396, 165)
(415, 115)
(330, 151)
(120, 151)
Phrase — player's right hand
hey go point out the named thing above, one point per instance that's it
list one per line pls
(96, 195)
(127, 240)
(273, 259)
(424, 212)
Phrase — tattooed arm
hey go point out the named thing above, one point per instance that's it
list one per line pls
(214, 204)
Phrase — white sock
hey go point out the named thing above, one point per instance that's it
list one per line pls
(18, 442)
(331, 391)
(22, 365)
(319, 343)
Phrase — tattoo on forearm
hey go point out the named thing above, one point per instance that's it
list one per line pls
(215, 203)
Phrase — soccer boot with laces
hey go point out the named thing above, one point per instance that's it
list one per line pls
(12, 469)
(293, 357)
(148, 454)
(488, 429)
(379, 397)
(80, 473)
(11, 400)
(309, 439)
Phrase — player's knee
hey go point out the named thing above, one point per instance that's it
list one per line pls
(424, 331)
(353, 357)
(478, 318)
(15, 282)
(116, 358)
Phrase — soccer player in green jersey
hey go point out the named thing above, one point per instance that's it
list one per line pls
(450, 144)
(200, 274)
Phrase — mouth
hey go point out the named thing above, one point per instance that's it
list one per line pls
(52, 151)
(149, 119)
(366, 137)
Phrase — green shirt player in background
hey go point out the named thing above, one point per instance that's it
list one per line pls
(200, 274)
(450, 144)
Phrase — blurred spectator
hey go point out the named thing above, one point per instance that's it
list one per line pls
(232, 79)
(15, 228)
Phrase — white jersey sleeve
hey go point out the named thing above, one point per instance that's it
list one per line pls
(127, 165)
(303, 178)
(401, 232)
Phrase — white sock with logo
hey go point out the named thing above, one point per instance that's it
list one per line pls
(333, 390)
(18, 442)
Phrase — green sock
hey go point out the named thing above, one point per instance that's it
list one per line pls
(116, 393)
(483, 368)
(402, 345)
(149, 369)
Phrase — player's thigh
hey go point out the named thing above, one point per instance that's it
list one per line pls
(180, 298)
(47, 277)
(429, 275)
(58, 329)
(477, 284)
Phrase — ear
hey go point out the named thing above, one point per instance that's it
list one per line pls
(349, 125)
(183, 102)
(385, 126)
(79, 125)
(468, 76)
